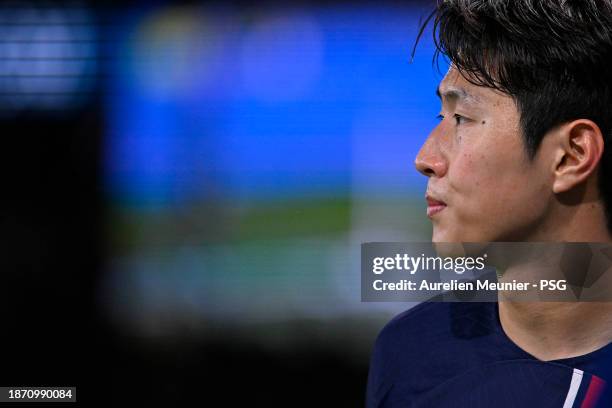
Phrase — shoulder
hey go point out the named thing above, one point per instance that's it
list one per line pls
(400, 344)
(431, 324)
(411, 333)
(425, 345)
(425, 316)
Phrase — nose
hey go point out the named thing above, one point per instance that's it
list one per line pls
(430, 160)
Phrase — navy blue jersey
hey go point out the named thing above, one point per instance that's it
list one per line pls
(457, 355)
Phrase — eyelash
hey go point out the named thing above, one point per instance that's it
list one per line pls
(458, 118)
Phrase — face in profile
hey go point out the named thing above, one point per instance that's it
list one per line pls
(482, 184)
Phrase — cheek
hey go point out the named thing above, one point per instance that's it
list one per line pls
(495, 196)
(489, 159)
(472, 174)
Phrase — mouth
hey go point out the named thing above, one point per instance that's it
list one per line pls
(434, 206)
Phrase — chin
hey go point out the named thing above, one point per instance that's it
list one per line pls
(444, 236)
(456, 236)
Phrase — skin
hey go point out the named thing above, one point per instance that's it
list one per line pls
(478, 166)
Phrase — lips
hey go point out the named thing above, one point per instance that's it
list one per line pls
(434, 205)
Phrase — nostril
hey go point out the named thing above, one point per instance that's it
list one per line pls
(424, 168)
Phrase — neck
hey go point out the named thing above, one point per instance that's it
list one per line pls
(576, 216)
(556, 330)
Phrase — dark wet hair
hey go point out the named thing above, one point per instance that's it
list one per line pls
(553, 57)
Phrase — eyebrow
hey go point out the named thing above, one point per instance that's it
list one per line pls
(456, 94)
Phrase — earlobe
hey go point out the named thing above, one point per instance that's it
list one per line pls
(580, 150)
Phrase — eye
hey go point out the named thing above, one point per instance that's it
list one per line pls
(440, 117)
(459, 120)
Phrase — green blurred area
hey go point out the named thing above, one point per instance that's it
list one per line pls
(225, 222)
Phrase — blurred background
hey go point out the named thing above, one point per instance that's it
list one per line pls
(187, 185)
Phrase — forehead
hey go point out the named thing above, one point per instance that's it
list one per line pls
(455, 86)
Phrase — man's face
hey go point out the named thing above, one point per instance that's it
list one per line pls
(482, 185)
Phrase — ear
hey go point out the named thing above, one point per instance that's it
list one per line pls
(579, 150)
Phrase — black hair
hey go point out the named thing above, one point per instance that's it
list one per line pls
(553, 57)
